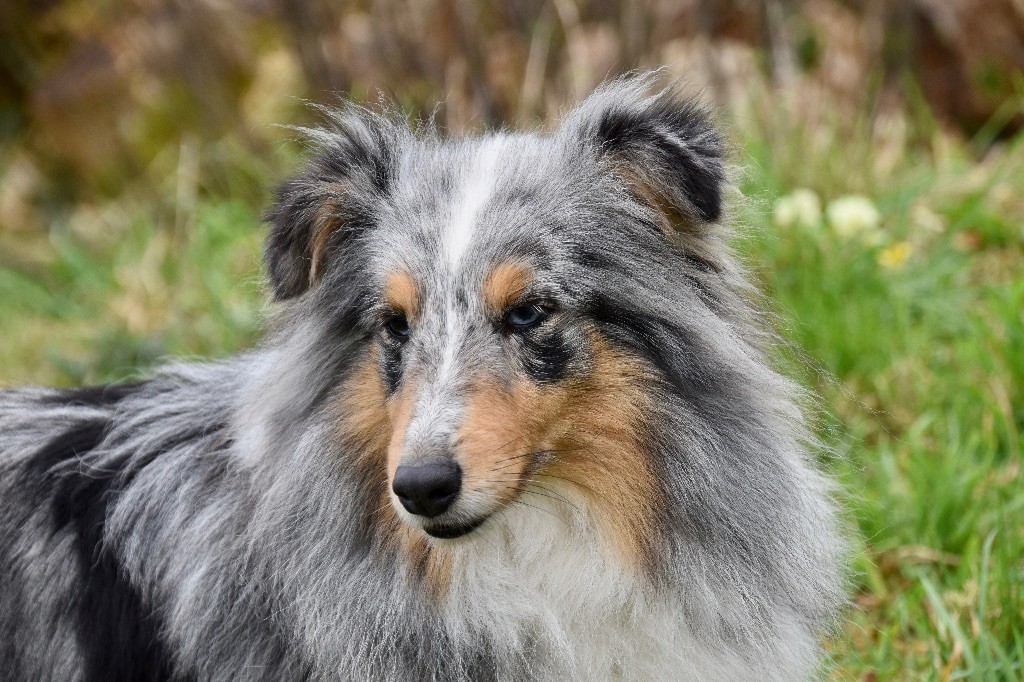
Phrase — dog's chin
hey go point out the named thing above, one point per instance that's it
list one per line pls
(452, 531)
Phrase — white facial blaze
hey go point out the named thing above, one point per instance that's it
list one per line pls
(476, 189)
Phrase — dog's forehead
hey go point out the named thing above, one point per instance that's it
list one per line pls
(460, 209)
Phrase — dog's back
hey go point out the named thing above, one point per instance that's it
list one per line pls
(47, 547)
(68, 607)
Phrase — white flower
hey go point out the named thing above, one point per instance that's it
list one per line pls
(801, 207)
(854, 215)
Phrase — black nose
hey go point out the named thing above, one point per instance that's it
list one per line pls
(428, 489)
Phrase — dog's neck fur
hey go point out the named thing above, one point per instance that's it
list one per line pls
(542, 580)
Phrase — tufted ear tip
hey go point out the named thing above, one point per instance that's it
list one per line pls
(664, 145)
(334, 197)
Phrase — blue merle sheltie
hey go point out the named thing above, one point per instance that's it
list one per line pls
(515, 419)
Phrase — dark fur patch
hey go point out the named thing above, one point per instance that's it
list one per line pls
(117, 633)
(674, 148)
(655, 341)
(547, 355)
(93, 396)
(330, 202)
(391, 365)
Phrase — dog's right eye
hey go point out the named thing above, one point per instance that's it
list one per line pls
(397, 327)
(525, 317)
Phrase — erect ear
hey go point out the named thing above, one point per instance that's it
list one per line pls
(335, 196)
(662, 145)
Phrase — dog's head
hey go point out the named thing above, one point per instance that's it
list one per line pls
(517, 302)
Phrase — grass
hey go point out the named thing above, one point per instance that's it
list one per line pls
(911, 331)
(920, 358)
(94, 312)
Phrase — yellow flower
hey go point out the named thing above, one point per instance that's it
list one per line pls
(853, 215)
(895, 256)
(801, 207)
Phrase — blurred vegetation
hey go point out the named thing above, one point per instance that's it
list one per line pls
(883, 206)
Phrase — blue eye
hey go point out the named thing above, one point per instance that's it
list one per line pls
(525, 316)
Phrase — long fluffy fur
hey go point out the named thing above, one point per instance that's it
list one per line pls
(213, 522)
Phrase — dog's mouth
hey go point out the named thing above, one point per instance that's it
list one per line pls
(450, 531)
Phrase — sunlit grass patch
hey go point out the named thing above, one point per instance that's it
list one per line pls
(918, 335)
(131, 292)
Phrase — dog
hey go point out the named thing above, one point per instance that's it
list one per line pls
(515, 419)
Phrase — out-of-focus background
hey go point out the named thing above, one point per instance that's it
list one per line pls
(879, 153)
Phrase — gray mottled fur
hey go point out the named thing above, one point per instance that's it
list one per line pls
(235, 515)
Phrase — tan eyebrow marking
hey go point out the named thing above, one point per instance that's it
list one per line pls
(505, 284)
(401, 293)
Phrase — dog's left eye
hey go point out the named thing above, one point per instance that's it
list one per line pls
(397, 326)
(525, 316)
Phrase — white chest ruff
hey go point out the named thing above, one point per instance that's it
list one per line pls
(542, 583)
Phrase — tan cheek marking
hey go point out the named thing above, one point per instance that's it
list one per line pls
(500, 427)
(399, 412)
(592, 424)
(365, 420)
(401, 293)
(500, 424)
(603, 451)
(505, 284)
(376, 426)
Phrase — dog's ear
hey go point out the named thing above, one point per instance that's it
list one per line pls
(662, 145)
(332, 199)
